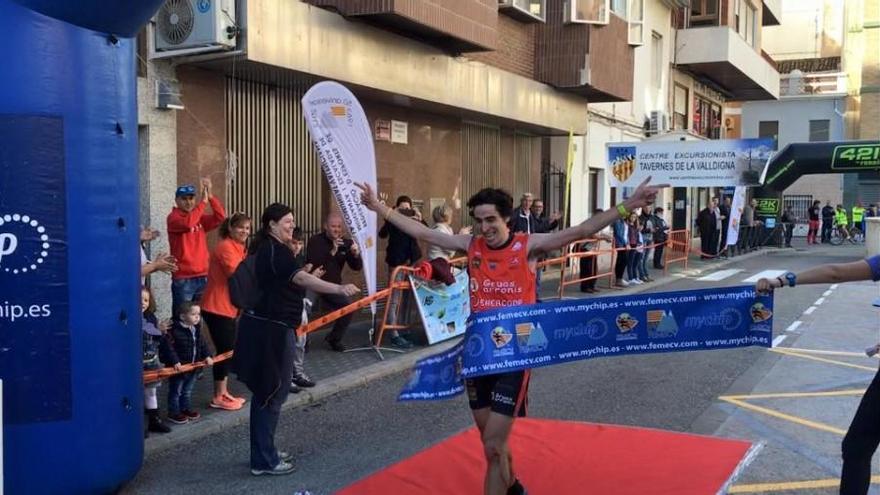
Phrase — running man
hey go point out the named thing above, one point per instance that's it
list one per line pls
(501, 265)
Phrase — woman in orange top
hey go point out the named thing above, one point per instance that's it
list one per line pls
(217, 310)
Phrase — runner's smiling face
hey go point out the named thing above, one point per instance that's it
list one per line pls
(491, 225)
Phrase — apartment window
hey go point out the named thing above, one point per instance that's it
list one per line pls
(636, 22)
(680, 108)
(737, 15)
(657, 55)
(707, 118)
(524, 10)
(750, 26)
(769, 129)
(704, 13)
(819, 130)
(142, 53)
(619, 7)
(587, 11)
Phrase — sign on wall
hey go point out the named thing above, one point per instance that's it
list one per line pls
(713, 163)
(382, 130)
(399, 132)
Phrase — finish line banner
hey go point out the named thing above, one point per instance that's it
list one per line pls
(523, 337)
(713, 163)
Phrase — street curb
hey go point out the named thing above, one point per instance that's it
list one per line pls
(325, 389)
(363, 376)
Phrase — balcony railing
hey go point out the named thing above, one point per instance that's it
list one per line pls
(796, 83)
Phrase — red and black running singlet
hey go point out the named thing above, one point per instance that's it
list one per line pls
(500, 277)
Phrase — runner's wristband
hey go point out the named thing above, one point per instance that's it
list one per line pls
(622, 211)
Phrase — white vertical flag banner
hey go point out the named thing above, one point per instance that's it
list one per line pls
(344, 140)
(736, 210)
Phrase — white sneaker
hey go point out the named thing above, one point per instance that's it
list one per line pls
(636, 281)
(624, 282)
(280, 469)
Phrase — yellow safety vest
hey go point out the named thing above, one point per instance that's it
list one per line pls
(840, 217)
(858, 214)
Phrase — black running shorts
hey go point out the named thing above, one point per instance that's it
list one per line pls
(505, 393)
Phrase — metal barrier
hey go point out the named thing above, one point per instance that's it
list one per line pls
(395, 286)
(678, 248)
(572, 252)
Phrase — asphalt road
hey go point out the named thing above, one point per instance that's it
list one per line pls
(358, 432)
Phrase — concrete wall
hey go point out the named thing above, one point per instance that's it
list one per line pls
(619, 122)
(157, 135)
(794, 115)
(809, 29)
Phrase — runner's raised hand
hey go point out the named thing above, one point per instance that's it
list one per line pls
(644, 195)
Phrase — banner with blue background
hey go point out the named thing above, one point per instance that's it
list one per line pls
(523, 337)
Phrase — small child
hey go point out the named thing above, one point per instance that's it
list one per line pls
(300, 379)
(184, 344)
(152, 338)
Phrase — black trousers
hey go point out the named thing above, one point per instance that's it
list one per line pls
(706, 237)
(723, 244)
(334, 302)
(658, 256)
(222, 331)
(620, 264)
(861, 442)
(789, 232)
(826, 229)
(588, 269)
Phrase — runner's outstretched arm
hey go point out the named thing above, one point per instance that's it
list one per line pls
(643, 196)
(826, 274)
(411, 227)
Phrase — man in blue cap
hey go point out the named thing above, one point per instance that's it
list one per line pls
(188, 225)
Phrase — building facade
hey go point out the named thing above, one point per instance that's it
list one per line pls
(695, 61)
(461, 95)
(828, 57)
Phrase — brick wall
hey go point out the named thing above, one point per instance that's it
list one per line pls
(515, 51)
(471, 21)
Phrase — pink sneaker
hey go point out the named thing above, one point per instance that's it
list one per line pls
(226, 404)
(235, 399)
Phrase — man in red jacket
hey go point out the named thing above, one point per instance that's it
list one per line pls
(188, 225)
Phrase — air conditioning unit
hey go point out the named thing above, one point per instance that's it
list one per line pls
(188, 24)
(657, 122)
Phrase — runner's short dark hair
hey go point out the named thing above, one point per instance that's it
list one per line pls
(502, 200)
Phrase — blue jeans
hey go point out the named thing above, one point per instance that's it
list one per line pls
(633, 259)
(643, 263)
(186, 289)
(180, 389)
(265, 412)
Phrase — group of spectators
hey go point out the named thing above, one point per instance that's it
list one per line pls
(640, 237)
(200, 294)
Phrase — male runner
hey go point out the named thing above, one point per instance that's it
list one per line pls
(501, 266)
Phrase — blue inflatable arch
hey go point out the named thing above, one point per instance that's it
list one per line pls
(70, 337)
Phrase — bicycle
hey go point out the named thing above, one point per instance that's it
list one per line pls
(857, 235)
(839, 234)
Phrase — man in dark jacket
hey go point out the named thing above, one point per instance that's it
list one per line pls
(706, 223)
(827, 222)
(724, 208)
(541, 224)
(330, 251)
(522, 219)
(401, 250)
(661, 235)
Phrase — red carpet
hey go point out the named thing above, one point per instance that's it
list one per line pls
(561, 457)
